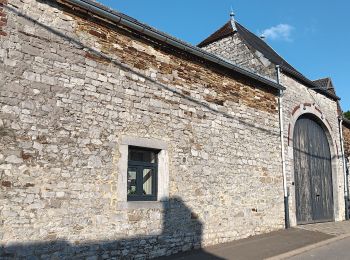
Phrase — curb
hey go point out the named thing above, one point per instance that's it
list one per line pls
(308, 248)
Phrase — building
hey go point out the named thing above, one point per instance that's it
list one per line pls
(309, 107)
(118, 140)
(346, 147)
(346, 136)
(346, 132)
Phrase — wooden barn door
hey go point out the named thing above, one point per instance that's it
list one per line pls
(313, 172)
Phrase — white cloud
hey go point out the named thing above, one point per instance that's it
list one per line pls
(279, 32)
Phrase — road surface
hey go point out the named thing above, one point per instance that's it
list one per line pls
(337, 250)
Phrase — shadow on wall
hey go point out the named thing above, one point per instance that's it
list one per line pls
(182, 231)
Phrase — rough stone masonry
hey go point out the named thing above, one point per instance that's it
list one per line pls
(298, 99)
(346, 133)
(72, 87)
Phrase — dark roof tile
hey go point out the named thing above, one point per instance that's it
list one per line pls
(223, 32)
(326, 84)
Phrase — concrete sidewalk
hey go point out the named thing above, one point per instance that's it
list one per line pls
(280, 243)
(331, 228)
(336, 250)
(257, 247)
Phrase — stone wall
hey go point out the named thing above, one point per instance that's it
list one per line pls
(236, 50)
(72, 89)
(346, 133)
(296, 97)
(299, 99)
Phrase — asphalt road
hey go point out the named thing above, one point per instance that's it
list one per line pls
(337, 250)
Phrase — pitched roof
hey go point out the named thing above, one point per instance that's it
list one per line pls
(326, 84)
(248, 37)
(260, 45)
(323, 83)
(223, 32)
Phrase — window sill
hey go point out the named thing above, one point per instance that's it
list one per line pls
(141, 205)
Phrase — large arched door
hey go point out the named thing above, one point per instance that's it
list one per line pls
(313, 172)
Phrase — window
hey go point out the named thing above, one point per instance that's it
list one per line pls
(142, 174)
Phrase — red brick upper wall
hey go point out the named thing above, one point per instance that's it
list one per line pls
(346, 132)
(173, 67)
(3, 18)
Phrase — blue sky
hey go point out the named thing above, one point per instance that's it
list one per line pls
(312, 35)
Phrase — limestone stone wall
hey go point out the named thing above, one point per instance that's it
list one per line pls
(72, 88)
(236, 50)
(296, 98)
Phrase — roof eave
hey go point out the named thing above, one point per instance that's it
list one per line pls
(308, 82)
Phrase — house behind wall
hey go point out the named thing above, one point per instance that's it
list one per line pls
(75, 87)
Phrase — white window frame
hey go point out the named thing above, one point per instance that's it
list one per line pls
(163, 171)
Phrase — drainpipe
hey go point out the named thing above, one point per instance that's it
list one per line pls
(346, 183)
(285, 188)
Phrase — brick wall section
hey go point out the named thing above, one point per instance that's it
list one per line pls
(346, 133)
(64, 110)
(346, 136)
(186, 72)
(3, 18)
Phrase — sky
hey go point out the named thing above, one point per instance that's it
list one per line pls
(312, 35)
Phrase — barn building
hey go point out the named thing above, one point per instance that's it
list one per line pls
(120, 141)
(311, 121)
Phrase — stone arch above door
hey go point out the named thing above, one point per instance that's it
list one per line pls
(312, 109)
(312, 172)
(319, 116)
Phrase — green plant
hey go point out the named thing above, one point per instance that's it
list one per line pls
(347, 115)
